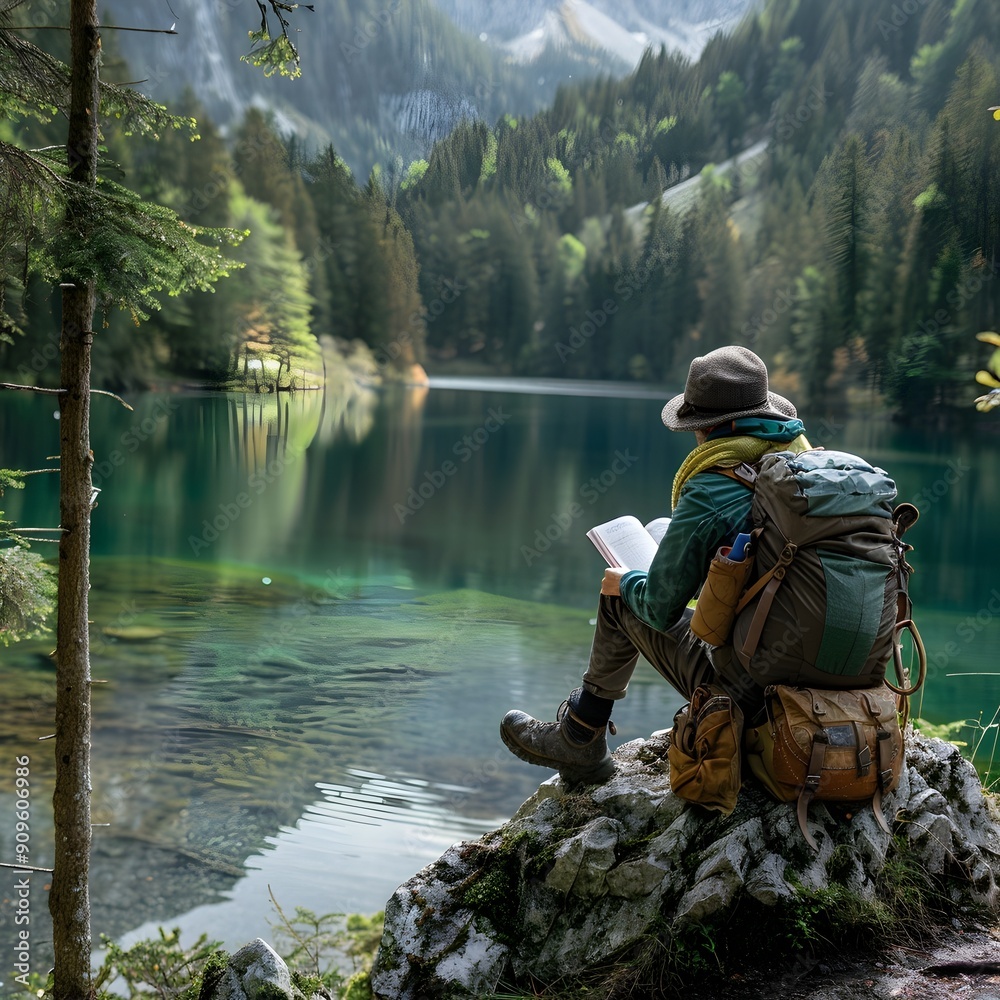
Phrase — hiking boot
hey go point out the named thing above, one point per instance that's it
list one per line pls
(549, 744)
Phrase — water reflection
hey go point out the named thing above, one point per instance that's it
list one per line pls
(363, 837)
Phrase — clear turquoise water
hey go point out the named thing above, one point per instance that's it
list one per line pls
(350, 595)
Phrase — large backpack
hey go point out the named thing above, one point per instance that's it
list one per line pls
(828, 583)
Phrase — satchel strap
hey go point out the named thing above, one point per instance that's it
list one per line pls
(864, 751)
(884, 777)
(820, 742)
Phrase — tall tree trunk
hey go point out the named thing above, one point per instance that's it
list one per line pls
(69, 900)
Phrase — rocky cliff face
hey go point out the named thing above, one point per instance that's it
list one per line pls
(685, 24)
(387, 77)
(580, 878)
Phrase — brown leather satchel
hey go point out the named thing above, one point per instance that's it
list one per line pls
(830, 745)
(705, 750)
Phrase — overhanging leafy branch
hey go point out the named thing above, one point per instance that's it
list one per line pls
(275, 54)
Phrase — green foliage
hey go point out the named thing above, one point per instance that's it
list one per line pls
(163, 967)
(837, 202)
(730, 104)
(986, 738)
(942, 731)
(561, 179)
(27, 594)
(37, 985)
(159, 966)
(929, 198)
(572, 256)
(134, 250)
(266, 309)
(415, 173)
(27, 583)
(275, 55)
(311, 943)
(980, 747)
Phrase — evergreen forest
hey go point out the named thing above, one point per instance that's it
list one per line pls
(854, 246)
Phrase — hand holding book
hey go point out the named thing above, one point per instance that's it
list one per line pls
(625, 542)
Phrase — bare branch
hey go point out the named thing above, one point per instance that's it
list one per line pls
(104, 27)
(59, 392)
(103, 392)
(32, 388)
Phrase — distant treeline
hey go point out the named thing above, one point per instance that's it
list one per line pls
(858, 252)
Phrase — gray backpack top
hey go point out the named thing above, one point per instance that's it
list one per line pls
(822, 604)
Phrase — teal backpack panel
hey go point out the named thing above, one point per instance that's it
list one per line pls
(836, 484)
(855, 591)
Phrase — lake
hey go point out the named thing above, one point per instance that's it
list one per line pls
(341, 598)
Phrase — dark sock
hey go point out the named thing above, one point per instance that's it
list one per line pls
(590, 709)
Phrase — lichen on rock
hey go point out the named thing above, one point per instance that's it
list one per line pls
(582, 877)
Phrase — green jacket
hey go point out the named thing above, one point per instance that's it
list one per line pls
(711, 511)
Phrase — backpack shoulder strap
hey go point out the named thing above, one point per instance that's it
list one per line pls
(742, 473)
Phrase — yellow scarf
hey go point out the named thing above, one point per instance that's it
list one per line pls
(728, 453)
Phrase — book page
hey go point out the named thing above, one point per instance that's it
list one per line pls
(658, 528)
(624, 542)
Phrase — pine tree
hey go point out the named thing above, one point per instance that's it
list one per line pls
(261, 164)
(107, 244)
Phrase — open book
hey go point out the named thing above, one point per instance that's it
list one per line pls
(626, 542)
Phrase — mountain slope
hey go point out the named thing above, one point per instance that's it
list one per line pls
(616, 30)
(386, 78)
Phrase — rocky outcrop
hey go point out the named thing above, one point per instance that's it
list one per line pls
(579, 876)
(255, 972)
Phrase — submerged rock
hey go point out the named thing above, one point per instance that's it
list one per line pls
(581, 875)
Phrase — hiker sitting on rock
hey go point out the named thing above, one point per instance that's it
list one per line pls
(736, 420)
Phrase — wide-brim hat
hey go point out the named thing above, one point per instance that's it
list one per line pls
(725, 384)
